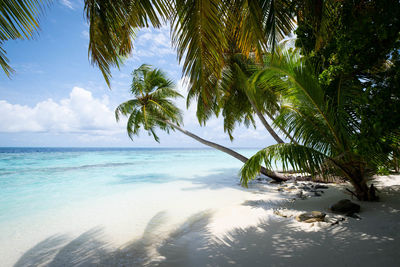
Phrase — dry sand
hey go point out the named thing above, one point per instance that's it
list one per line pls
(223, 226)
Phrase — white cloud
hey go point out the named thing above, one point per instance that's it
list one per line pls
(152, 42)
(67, 3)
(80, 113)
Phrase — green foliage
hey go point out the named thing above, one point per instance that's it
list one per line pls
(18, 20)
(113, 24)
(233, 89)
(294, 157)
(152, 106)
(359, 53)
(327, 128)
(200, 32)
(383, 170)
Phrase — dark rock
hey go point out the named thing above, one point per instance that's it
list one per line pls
(318, 186)
(345, 206)
(310, 217)
(275, 182)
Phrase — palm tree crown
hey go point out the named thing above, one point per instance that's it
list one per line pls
(151, 106)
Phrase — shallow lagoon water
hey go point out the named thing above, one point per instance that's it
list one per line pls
(46, 192)
(34, 180)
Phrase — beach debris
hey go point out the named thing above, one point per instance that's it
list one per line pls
(302, 190)
(311, 217)
(301, 195)
(346, 207)
(282, 213)
(341, 219)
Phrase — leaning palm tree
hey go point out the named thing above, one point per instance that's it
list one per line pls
(327, 129)
(152, 108)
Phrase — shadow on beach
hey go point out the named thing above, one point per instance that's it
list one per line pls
(274, 241)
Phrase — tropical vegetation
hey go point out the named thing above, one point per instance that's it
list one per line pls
(153, 108)
(335, 97)
(327, 129)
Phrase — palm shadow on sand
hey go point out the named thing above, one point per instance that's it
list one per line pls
(272, 242)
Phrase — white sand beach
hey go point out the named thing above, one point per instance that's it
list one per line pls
(209, 224)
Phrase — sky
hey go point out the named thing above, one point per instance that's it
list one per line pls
(56, 98)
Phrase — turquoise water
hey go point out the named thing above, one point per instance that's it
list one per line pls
(33, 180)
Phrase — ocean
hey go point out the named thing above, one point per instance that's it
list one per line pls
(58, 196)
(34, 180)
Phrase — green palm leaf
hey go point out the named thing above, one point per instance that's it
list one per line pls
(152, 106)
(18, 20)
(113, 24)
(295, 157)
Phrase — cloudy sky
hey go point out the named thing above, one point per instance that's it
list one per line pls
(56, 98)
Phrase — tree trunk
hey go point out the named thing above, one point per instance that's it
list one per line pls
(273, 175)
(396, 162)
(361, 190)
(265, 123)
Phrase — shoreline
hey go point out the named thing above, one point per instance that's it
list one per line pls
(216, 226)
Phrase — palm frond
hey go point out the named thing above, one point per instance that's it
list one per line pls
(198, 37)
(18, 20)
(300, 86)
(126, 108)
(264, 24)
(292, 157)
(112, 26)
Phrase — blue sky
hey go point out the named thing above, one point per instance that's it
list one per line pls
(57, 98)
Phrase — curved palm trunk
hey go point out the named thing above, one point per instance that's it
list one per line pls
(273, 175)
(356, 176)
(362, 191)
(265, 123)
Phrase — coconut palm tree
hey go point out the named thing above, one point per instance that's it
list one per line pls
(152, 108)
(326, 128)
(235, 90)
